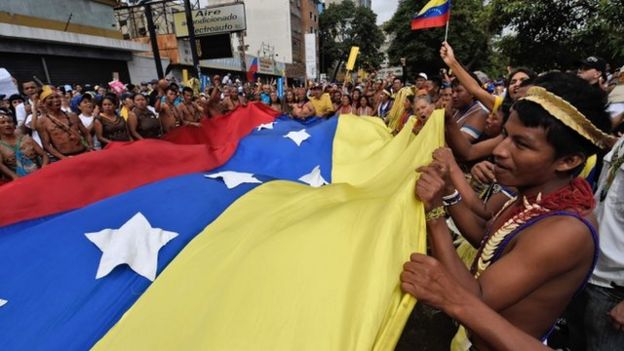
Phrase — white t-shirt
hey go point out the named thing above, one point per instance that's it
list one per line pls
(35, 134)
(610, 216)
(87, 121)
(20, 113)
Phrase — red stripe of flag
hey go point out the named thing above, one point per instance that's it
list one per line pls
(93, 176)
(430, 22)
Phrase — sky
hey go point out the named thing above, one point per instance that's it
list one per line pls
(384, 9)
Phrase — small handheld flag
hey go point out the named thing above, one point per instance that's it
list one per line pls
(436, 13)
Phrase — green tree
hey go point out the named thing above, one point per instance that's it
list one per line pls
(344, 25)
(546, 34)
(468, 34)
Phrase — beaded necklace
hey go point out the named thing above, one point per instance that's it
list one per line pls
(576, 197)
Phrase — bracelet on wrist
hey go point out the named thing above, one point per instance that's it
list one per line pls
(452, 199)
(435, 213)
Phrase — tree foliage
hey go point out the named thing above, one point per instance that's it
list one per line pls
(467, 34)
(546, 34)
(344, 25)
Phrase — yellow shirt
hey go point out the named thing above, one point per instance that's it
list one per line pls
(323, 105)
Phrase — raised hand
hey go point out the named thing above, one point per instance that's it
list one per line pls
(447, 54)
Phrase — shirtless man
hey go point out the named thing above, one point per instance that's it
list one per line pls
(19, 154)
(540, 248)
(169, 114)
(189, 111)
(62, 134)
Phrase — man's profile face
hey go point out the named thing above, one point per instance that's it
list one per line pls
(30, 88)
(461, 97)
(589, 74)
(525, 157)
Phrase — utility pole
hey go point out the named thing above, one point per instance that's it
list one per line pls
(242, 49)
(154, 40)
(191, 31)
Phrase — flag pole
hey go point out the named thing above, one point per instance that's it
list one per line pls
(447, 27)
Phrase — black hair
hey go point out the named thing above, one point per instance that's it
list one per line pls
(187, 89)
(507, 101)
(349, 97)
(172, 87)
(586, 98)
(134, 96)
(455, 82)
(111, 97)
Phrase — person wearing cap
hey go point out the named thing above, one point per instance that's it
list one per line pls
(420, 80)
(594, 70)
(321, 102)
(62, 134)
(20, 155)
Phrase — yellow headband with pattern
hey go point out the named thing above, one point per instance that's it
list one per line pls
(569, 115)
(46, 91)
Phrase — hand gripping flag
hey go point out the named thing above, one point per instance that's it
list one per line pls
(435, 14)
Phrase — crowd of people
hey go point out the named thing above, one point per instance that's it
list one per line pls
(45, 124)
(517, 179)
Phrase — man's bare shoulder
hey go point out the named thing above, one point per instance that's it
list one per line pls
(564, 239)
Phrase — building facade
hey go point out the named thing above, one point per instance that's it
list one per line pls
(365, 3)
(64, 41)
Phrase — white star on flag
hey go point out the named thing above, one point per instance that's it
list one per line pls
(298, 137)
(314, 178)
(266, 126)
(136, 244)
(3, 302)
(233, 179)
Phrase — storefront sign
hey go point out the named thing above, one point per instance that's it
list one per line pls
(212, 20)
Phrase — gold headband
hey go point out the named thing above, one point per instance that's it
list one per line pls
(568, 115)
(46, 91)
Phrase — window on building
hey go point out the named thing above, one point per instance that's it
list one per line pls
(314, 18)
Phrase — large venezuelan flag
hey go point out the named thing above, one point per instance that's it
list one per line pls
(272, 266)
(435, 14)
